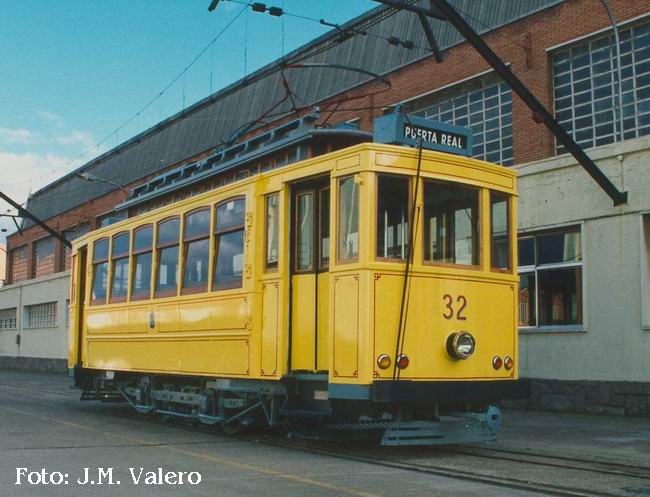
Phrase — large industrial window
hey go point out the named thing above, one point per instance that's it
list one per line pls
(43, 257)
(167, 257)
(120, 267)
(19, 264)
(229, 244)
(499, 230)
(8, 319)
(99, 287)
(348, 219)
(40, 315)
(484, 105)
(586, 88)
(196, 237)
(142, 253)
(392, 216)
(550, 286)
(451, 223)
(272, 215)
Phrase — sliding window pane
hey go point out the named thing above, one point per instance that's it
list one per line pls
(141, 276)
(196, 264)
(527, 300)
(229, 265)
(559, 247)
(560, 293)
(100, 282)
(305, 233)
(392, 217)
(167, 281)
(499, 217)
(348, 219)
(272, 230)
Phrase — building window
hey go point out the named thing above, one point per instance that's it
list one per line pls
(348, 219)
(229, 244)
(70, 235)
(8, 319)
(142, 253)
(586, 89)
(19, 264)
(43, 257)
(451, 223)
(196, 238)
(484, 105)
(120, 267)
(500, 230)
(272, 216)
(99, 287)
(41, 315)
(392, 212)
(550, 286)
(167, 257)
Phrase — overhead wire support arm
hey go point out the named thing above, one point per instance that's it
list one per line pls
(440, 9)
(25, 213)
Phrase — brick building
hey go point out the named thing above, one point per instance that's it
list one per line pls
(585, 282)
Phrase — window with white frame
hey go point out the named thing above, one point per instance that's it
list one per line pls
(550, 278)
(8, 319)
(586, 89)
(483, 104)
(41, 315)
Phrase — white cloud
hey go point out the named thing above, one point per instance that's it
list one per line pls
(18, 135)
(21, 174)
(81, 138)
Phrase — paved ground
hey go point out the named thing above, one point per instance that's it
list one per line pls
(43, 425)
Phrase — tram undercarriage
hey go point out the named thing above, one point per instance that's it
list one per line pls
(301, 407)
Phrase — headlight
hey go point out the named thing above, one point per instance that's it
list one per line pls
(460, 345)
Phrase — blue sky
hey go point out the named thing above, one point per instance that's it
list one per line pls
(71, 72)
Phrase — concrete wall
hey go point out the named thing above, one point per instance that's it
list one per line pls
(614, 343)
(47, 344)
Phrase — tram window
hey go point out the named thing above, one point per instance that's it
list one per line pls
(348, 233)
(99, 287)
(229, 244)
(196, 251)
(167, 255)
(451, 223)
(392, 217)
(272, 215)
(305, 231)
(142, 251)
(500, 232)
(324, 223)
(120, 267)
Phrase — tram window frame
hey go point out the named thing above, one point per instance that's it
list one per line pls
(271, 233)
(477, 245)
(160, 247)
(118, 258)
(378, 220)
(299, 268)
(324, 214)
(137, 253)
(187, 244)
(497, 197)
(534, 267)
(218, 234)
(340, 259)
(103, 261)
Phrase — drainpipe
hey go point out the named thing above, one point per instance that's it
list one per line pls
(617, 42)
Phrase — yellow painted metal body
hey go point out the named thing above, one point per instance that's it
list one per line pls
(248, 332)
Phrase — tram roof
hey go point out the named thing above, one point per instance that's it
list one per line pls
(213, 119)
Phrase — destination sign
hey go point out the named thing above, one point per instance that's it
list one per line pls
(402, 129)
(435, 136)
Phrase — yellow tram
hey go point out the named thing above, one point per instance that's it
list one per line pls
(307, 274)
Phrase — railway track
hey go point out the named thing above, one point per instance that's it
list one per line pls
(601, 467)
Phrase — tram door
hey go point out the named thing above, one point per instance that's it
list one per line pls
(310, 240)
